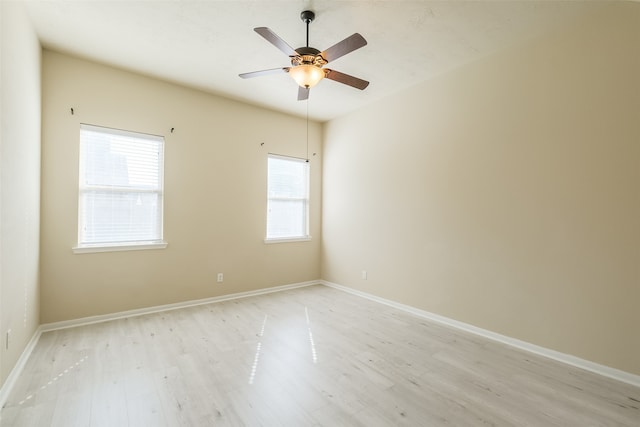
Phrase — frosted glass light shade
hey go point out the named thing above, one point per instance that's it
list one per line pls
(306, 75)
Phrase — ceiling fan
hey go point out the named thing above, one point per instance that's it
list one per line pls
(307, 62)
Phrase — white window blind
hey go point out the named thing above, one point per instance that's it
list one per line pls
(120, 187)
(288, 198)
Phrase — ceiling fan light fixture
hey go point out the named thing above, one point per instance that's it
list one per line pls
(307, 62)
(306, 75)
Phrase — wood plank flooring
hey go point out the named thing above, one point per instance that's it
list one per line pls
(313, 356)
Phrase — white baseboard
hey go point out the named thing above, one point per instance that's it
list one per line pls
(167, 307)
(17, 369)
(19, 366)
(603, 370)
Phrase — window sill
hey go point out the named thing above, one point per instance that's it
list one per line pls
(287, 240)
(117, 248)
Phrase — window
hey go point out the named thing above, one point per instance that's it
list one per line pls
(120, 190)
(288, 198)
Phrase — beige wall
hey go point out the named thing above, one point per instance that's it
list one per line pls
(504, 194)
(19, 182)
(215, 193)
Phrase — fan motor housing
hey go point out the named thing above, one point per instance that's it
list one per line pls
(309, 56)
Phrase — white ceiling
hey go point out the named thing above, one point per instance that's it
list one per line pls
(206, 44)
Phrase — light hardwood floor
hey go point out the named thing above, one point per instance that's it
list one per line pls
(305, 357)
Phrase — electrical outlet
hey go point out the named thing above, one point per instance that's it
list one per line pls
(364, 274)
(220, 277)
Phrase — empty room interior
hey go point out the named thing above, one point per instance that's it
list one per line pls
(443, 230)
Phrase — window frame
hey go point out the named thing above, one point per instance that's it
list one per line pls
(306, 202)
(83, 188)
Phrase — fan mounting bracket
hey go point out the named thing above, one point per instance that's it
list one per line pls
(307, 16)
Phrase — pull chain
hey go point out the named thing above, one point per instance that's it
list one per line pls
(307, 130)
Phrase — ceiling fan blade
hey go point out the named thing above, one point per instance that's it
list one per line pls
(345, 79)
(273, 38)
(351, 43)
(264, 72)
(303, 93)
